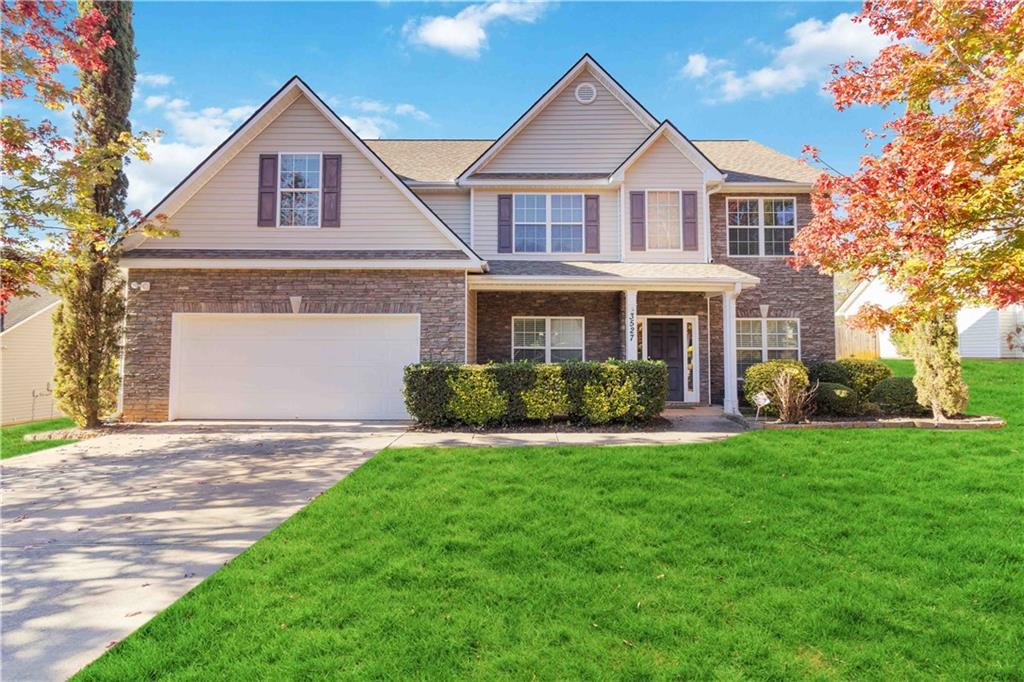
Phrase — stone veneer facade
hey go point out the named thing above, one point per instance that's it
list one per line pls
(438, 296)
(806, 294)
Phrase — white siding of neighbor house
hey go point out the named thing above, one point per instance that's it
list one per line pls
(374, 213)
(26, 366)
(485, 228)
(664, 167)
(569, 137)
(451, 206)
(979, 332)
(1010, 318)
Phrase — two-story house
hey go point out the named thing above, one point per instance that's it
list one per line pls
(311, 266)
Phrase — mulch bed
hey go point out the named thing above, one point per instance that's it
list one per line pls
(656, 424)
(962, 423)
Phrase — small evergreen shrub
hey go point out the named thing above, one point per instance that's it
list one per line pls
(864, 374)
(439, 394)
(897, 396)
(547, 398)
(836, 400)
(475, 398)
(761, 377)
(829, 372)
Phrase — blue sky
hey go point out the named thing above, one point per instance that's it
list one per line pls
(397, 69)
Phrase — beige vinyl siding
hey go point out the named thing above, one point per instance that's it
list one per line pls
(485, 228)
(26, 366)
(374, 213)
(663, 167)
(568, 137)
(451, 206)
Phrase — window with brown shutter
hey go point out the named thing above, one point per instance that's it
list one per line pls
(331, 212)
(266, 202)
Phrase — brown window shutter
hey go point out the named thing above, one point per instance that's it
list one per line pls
(637, 221)
(504, 223)
(689, 221)
(592, 223)
(266, 206)
(331, 188)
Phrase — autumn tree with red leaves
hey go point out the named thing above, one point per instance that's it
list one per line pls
(39, 164)
(938, 212)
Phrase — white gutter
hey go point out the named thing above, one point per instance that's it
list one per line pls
(301, 264)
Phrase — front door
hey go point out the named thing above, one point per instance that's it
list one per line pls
(674, 341)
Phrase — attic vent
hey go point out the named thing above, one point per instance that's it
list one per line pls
(586, 93)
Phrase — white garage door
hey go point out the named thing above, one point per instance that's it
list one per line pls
(291, 366)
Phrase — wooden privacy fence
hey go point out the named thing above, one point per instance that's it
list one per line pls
(855, 343)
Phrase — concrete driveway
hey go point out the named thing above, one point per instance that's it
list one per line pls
(99, 536)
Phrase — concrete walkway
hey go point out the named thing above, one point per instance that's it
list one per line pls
(101, 535)
(689, 425)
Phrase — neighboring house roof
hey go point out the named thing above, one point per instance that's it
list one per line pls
(852, 303)
(636, 273)
(267, 112)
(21, 308)
(740, 160)
(428, 160)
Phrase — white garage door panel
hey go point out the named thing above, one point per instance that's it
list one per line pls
(292, 367)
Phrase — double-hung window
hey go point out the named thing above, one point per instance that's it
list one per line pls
(758, 340)
(547, 223)
(299, 190)
(760, 226)
(547, 339)
(664, 220)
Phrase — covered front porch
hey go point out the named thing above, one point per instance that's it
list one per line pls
(682, 314)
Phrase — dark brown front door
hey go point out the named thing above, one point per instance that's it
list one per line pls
(665, 342)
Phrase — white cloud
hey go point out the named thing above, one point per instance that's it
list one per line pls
(465, 34)
(155, 79)
(192, 135)
(812, 47)
(410, 110)
(369, 105)
(370, 127)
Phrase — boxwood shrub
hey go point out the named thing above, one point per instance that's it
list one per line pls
(438, 394)
(897, 396)
(761, 377)
(836, 400)
(829, 372)
(864, 374)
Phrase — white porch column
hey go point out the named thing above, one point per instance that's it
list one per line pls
(632, 341)
(731, 401)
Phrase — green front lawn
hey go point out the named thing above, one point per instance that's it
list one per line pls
(776, 554)
(12, 441)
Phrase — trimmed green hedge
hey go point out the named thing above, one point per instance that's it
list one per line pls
(439, 394)
(829, 372)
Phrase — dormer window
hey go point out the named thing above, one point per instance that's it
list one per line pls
(299, 190)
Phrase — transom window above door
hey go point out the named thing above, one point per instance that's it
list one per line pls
(760, 226)
(299, 189)
(547, 339)
(547, 223)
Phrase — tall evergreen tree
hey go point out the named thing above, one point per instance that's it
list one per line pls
(88, 322)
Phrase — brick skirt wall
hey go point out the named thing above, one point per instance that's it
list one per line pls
(601, 310)
(438, 296)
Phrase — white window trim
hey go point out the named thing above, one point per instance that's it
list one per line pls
(647, 218)
(320, 208)
(760, 227)
(547, 225)
(547, 335)
(764, 336)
